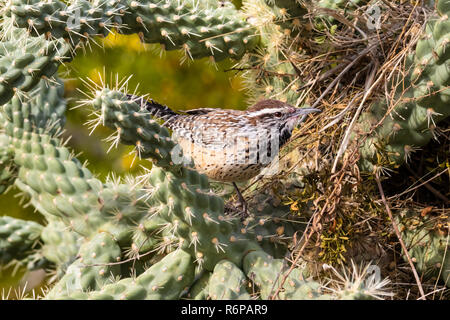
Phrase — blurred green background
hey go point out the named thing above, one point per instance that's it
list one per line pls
(193, 84)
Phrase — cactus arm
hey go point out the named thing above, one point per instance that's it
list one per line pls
(267, 273)
(18, 238)
(216, 32)
(24, 61)
(166, 280)
(8, 169)
(428, 243)
(60, 245)
(79, 20)
(93, 268)
(227, 282)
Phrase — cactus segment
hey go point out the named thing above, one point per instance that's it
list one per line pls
(18, 238)
(227, 282)
(216, 32)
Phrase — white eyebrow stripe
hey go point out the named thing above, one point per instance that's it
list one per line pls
(265, 111)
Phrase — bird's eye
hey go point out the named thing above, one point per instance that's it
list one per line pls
(278, 114)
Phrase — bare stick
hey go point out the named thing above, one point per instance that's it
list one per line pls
(416, 187)
(429, 187)
(399, 236)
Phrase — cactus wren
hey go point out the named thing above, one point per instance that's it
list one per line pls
(231, 145)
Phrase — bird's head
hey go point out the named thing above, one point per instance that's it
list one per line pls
(279, 114)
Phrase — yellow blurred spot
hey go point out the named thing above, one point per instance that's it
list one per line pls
(95, 75)
(128, 161)
(131, 42)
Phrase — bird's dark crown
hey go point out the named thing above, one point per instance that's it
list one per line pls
(274, 112)
(270, 109)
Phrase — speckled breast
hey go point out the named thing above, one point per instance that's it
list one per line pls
(227, 164)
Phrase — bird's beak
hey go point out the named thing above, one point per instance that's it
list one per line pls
(305, 111)
(300, 115)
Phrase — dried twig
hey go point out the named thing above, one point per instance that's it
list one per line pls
(399, 236)
(418, 186)
(429, 187)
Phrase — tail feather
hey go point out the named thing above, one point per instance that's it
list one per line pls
(157, 110)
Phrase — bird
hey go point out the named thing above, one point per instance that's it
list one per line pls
(230, 145)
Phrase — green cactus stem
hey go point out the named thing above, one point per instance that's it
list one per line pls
(18, 238)
(216, 32)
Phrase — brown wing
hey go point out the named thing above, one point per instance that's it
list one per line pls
(211, 129)
(199, 111)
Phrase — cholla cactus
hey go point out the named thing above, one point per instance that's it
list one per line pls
(427, 239)
(169, 223)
